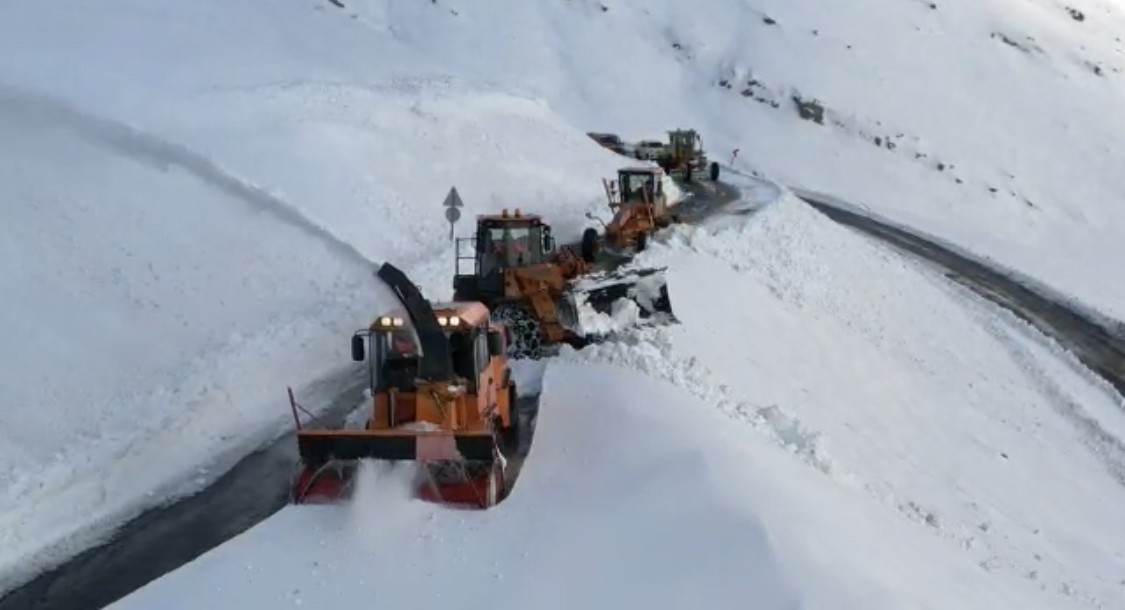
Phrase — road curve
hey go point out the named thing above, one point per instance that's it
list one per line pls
(163, 539)
(1100, 349)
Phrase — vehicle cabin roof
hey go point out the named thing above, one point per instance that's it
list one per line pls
(516, 219)
(471, 313)
(641, 170)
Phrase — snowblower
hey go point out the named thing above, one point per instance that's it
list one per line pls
(441, 395)
(537, 289)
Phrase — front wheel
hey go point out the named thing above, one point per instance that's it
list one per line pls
(714, 171)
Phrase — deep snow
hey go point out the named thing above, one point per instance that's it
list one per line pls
(181, 244)
(291, 144)
(930, 400)
(662, 504)
(917, 449)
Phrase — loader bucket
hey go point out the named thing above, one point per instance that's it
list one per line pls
(648, 288)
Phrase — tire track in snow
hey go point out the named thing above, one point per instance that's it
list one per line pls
(1102, 444)
(1095, 346)
(157, 152)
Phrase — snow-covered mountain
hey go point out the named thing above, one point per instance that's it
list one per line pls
(194, 194)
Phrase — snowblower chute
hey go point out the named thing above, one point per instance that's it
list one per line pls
(442, 396)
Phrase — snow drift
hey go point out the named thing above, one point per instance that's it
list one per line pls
(929, 400)
(192, 192)
(662, 504)
(786, 445)
(169, 266)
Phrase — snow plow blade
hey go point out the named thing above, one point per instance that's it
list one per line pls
(647, 288)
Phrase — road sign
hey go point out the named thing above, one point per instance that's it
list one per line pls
(452, 214)
(453, 200)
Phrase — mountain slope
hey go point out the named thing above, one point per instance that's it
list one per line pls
(181, 244)
(786, 445)
(192, 194)
(989, 124)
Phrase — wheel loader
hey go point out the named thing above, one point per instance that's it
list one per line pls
(441, 395)
(513, 265)
(640, 208)
(684, 156)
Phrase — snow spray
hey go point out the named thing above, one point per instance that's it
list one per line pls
(382, 500)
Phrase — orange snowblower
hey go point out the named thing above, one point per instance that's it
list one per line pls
(442, 396)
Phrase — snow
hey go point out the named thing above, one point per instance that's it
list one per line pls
(926, 399)
(691, 511)
(179, 245)
(195, 198)
(787, 445)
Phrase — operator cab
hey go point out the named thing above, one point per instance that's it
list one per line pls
(503, 241)
(640, 184)
(396, 352)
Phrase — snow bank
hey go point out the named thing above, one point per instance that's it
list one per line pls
(990, 124)
(181, 239)
(882, 375)
(636, 494)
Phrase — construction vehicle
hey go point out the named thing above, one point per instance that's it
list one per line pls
(441, 395)
(683, 155)
(608, 140)
(640, 208)
(528, 283)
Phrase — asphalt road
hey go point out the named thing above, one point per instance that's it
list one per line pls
(1100, 349)
(166, 538)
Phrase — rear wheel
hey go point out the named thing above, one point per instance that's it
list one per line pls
(714, 171)
(642, 241)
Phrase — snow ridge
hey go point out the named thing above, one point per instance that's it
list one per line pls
(160, 153)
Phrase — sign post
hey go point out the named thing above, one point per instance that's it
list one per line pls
(452, 213)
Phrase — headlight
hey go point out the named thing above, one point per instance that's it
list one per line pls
(398, 321)
(384, 321)
(454, 321)
(442, 320)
